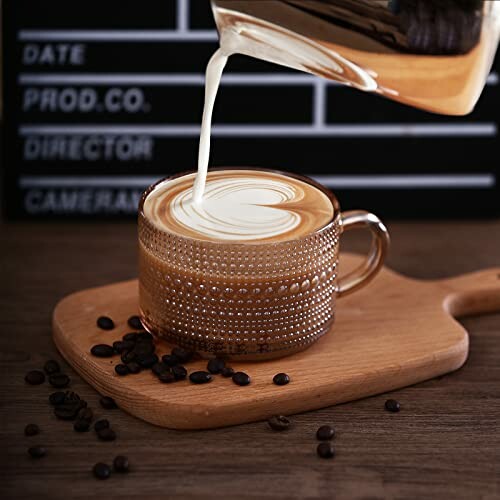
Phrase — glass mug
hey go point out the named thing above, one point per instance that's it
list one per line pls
(249, 300)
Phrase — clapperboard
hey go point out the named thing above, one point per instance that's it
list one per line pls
(102, 98)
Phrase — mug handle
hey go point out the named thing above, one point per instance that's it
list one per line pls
(364, 273)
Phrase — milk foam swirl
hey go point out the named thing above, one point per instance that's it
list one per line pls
(239, 205)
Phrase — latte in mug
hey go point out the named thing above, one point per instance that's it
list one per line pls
(239, 205)
(251, 272)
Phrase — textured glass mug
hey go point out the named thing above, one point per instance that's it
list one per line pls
(252, 300)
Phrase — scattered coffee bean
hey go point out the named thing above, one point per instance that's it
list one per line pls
(279, 423)
(241, 378)
(392, 405)
(105, 323)
(85, 414)
(121, 346)
(37, 451)
(183, 355)
(143, 349)
(59, 380)
(166, 377)
(106, 434)
(281, 379)
(101, 424)
(170, 359)
(179, 372)
(159, 368)
(130, 337)
(128, 356)
(120, 464)
(148, 360)
(81, 425)
(57, 398)
(108, 403)
(200, 377)
(31, 430)
(101, 471)
(144, 336)
(51, 367)
(135, 323)
(325, 449)
(121, 370)
(72, 396)
(227, 372)
(325, 433)
(35, 377)
(102, 351)
(68, 410)
(134, 367)
(216, 365)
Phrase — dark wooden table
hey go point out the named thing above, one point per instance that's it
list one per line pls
(445, 443)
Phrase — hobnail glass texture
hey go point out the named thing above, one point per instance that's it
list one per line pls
(238, 300)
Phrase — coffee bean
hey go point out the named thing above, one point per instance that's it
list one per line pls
(279, 423)
(51, 367)
(81, 425)
(101, 424)
(37, 451)
(120, 464)
(31, 430)
(134, 367)
(148, 360)
(121, 370)
(85, 414)
(200, 377)
(241, 378)
(183, 355)
(325, 450)
(102, 351)
(106, 434)
(281, 379)
(128, 356)
(57, 398)
(159, 368)
(68, 410)
(72, 396)
(392, 405)
(216, 365)
(101, 470)
(130, 337)
(325, 433)
(105, 323)
(227, 372)
(170, 359)
(35, 377)
(121, 346)
(146, 336)
(135, 323)
(143, 349)
(108, 403)
(166, 377)
(179, 372)
(59, 380)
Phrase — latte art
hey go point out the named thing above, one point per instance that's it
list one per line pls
(239, 205)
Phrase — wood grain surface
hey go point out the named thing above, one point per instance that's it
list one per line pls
(445, 442)
(392, 333)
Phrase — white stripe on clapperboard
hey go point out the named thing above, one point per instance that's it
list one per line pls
(422, 181)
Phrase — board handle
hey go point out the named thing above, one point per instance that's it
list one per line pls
(364, 273)
(474, 293)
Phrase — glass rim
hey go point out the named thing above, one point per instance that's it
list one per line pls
(239, 243)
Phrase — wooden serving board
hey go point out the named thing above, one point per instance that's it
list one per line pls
(395, 332)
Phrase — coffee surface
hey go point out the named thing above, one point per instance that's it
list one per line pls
(239, 205)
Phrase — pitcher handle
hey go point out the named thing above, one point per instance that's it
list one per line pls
(364, 273)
